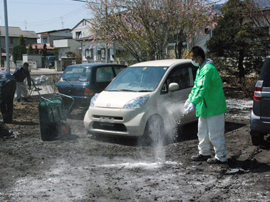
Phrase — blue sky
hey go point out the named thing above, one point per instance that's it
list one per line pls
(45, 15)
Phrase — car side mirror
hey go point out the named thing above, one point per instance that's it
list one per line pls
(173, 87)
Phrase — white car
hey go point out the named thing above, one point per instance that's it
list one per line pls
(145, 100)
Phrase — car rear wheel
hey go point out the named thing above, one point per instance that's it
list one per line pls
(154, 131)
(257, 138)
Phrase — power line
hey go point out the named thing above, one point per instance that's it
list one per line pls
(83, 1)
(68, 15)
(69, 19)
(51, 3)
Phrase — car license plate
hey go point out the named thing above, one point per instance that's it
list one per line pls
(106, 119)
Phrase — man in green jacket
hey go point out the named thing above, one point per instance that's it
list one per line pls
(208, 97)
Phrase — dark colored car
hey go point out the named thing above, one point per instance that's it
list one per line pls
(82, 81)
(260, 114)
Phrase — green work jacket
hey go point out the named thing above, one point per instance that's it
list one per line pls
(207, 93)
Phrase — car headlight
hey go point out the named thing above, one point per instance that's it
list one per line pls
(137, 102)
(93, 100)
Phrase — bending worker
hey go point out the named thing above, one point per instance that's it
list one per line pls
(7, 91)
(208, 97)
(20, 74)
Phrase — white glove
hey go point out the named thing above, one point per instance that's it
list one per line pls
(190, 108)
(187, 103)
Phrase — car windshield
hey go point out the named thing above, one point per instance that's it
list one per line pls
(76, 74)
(139, 79)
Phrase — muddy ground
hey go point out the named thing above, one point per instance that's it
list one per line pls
(80, 168)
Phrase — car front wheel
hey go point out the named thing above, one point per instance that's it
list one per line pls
(154, 131)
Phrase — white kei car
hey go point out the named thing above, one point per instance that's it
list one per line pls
(145, 100)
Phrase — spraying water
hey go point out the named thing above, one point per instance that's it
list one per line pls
(172, 118)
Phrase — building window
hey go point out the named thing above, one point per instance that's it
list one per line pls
(11, 40)
(78, 35)
(102, 53)
(89, 53)
(45, 40)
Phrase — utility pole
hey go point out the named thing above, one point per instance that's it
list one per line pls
(6, 26)
(0, 50)
(106, 15)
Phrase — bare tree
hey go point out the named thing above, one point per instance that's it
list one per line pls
(143, 28)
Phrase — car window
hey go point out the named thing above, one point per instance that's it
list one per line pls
(181, 76)
(104, 74)
(118, 70)
(76, 74)
(138, 79)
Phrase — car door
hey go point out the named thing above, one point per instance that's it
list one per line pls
(103, 76)
(173, 102)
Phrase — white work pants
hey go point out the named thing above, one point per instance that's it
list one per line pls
(211, 132)
(21, 90)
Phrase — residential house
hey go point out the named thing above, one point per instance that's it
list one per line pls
(49, 36)
(14, 33)
(92, 52)
(66, 45)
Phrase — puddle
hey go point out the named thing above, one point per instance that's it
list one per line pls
(236, 104)
(143, 165)
(239, 108)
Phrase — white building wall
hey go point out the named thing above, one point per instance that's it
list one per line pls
(66, 45)
(60, 43)
(83, 28)
(33, 60)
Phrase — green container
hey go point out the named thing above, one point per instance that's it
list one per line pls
(51, 113)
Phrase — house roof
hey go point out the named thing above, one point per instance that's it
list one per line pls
(84, 19)
(16, 32)
(53, 31)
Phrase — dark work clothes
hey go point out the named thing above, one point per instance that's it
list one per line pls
(20, 74)
(7, 91)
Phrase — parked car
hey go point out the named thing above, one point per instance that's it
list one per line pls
(50, 61)
(145, 100)
(82, 81)
(260, 113)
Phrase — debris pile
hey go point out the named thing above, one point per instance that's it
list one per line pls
(40, 80)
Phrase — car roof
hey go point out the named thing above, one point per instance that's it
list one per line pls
(94, 65)
(159, 63)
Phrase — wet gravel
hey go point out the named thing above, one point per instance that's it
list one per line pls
(81, 168)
